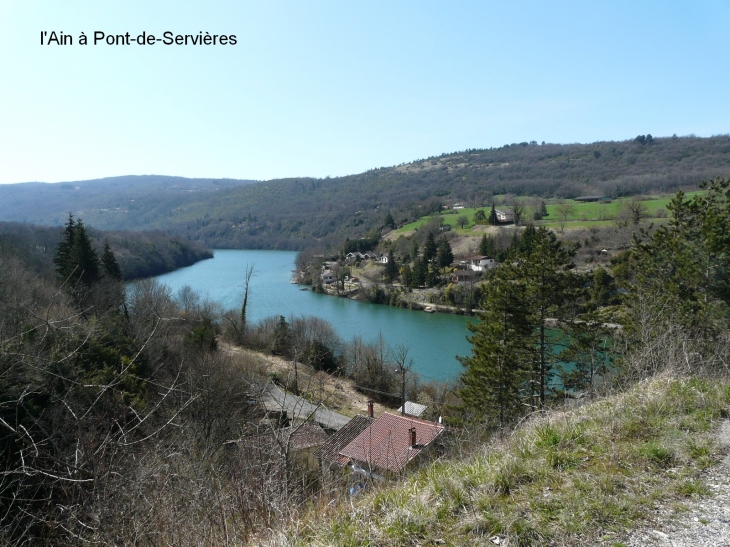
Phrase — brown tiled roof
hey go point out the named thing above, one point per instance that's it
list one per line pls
(386, 444)
(299, 437)
(307, 436)
(330, 450)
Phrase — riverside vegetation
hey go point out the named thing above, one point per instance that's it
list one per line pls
(124, 422)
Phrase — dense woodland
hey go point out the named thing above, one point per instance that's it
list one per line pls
(139, 254)
(300, 213)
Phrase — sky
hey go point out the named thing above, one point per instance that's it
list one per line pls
(329, 88)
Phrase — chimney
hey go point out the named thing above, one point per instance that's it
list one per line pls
(370, 409)
(413, 436)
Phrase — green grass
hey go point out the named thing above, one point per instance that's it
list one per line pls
(569, 478)
(583, 215)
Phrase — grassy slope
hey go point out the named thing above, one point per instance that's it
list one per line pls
(584, 215)
(569, 478)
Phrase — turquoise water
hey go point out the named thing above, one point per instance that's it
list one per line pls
(433, 339)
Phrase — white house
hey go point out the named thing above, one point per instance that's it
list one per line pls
(479, 263)
(504, 215)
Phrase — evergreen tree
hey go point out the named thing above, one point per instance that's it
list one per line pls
(586, 352)
(487, 247)
(64, 253)
(493, 216)
(282, 338)
(414, 250)
(420, 270)
(109, 263)
(480, 217)
(497, 371)
(406, 275)
(84, 256)
(430, 249)
(687, 262)
(391, 268)
(444, 256)
(389, 221)
(543, 266)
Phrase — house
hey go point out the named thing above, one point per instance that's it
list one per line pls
(328, 277)
(390, 443)
(479, 263)
(383, 259)
(413, 409)
(267, 444)
(504, 215)
(329, 452)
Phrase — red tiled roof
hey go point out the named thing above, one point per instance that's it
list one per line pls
(330, 450)
(386, 444)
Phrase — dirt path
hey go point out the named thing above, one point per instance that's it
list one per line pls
(705, 522)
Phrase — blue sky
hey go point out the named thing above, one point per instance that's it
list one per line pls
(325, 88)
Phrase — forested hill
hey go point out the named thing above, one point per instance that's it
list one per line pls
(139, 254)
(304, 212)
(107, 198)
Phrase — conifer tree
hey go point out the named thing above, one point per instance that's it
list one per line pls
(391, 268)
(84, 256)
(64, 253)
(493, 216)
(543, 266)
(445, 255)
(430, 249)
(406, 275)
(496, 373)
(109, 263)
(487, 246)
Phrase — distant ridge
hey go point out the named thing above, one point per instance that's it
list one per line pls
(300, 212)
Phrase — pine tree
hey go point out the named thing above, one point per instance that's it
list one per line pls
(487, 246)
(64, 253)
(84, 257)
(445, 256)
(391, 268)
(497, 371)
(389, 221)
(543, 266)
(430, 249)
(109, 263)
(493, 216)
(406, 275)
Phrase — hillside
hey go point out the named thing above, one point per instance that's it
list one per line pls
(304, 212)
(586, 476)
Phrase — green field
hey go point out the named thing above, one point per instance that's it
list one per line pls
(582, 215)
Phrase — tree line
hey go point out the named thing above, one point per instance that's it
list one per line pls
(666, 302)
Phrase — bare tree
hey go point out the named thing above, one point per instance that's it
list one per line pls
(246, 285)
(637, 210)
(565, 210)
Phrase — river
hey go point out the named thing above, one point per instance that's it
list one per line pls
(433, 339)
